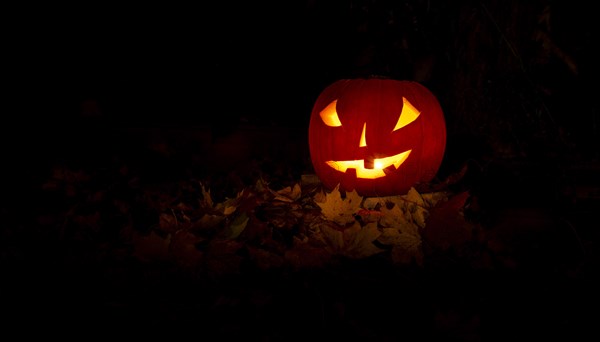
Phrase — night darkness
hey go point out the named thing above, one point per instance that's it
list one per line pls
(132, 99)
(202, 65)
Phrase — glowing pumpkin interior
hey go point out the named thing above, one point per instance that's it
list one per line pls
(377, 167)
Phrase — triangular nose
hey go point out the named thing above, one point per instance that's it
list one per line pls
(363, 136)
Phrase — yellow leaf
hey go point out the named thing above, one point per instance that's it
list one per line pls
(374, 202)
(415, 205)
(229, 209)
(413, 196)
(406, 247)
(359, 240)
(340, 210)
(333, 237)
(371, 203)
(433, 198)
(419, 215)
(320, 197)
(393, 217)
(389, 236)
(229, 206)
(353, 242)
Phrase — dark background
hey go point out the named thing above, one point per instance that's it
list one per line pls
(516, 80)
(227, 82)
(496, 66)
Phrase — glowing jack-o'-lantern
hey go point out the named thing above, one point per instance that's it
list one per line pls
(377, 136)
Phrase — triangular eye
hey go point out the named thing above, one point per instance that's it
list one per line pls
(329, 115)
(408, 115)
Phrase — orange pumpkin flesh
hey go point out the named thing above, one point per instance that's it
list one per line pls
(376, 136)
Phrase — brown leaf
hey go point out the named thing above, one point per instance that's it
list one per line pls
(168, 222)
(263, 259)
(256, 230)
(151, 247)
(304, 255)
(183, 249)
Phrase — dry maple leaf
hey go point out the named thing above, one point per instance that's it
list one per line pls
(340, 210)
(415, 205)
(394, 217)
(354, 242)
(406, 246)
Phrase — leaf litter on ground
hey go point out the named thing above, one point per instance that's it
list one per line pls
(297, 226)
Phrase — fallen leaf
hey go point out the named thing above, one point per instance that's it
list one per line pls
(354, 242)
(183, 249)
(340, 210)
(167, 222)
(288, 194)
(304, 255)
(235, 228)
(206, 198)
(209, 221)
(415, 205)
(151, 247)
(264, 259)
(406, 247)
(367, 215)
(393, 217)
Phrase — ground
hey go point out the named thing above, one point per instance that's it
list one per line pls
(148, 231)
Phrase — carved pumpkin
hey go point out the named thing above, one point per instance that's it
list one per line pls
(377, 136)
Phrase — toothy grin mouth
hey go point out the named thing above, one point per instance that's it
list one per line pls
(379, 165)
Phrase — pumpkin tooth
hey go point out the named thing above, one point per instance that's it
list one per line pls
(390, 169)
